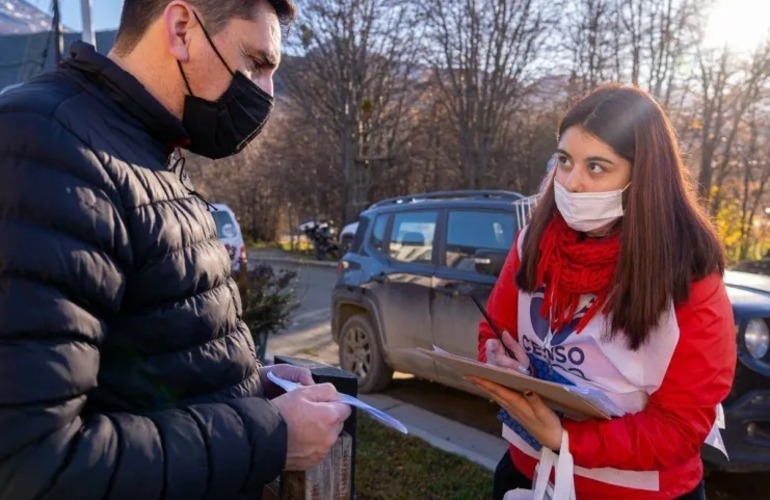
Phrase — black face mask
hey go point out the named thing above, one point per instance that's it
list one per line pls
(222, 128)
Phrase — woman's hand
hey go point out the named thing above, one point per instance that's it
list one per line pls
(497, 356)
(528, 410)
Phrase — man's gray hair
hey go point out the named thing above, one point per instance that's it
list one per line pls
(138, 15)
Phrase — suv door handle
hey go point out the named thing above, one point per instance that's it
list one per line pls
(449, 289)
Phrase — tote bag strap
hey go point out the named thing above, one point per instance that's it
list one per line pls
(543, 473)
(564, 489)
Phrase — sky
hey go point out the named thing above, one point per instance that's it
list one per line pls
(105, 13)
(741, 24)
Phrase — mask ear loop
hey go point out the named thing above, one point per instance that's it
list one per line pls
(184, 77)
(211, 42)
(183, 178)
(216, 51)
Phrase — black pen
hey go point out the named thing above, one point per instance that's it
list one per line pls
(494, 328)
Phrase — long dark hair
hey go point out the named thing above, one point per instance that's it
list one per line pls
(666, 239)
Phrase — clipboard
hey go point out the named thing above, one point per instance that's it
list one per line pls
(558, 397)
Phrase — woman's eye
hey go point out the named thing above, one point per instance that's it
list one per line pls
(595, 168)
(562, 161)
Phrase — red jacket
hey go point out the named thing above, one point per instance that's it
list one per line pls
(668, 434)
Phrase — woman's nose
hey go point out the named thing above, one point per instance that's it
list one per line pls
(574, 182)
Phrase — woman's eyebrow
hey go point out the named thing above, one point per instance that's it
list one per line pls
(589, 159)
(600, 159)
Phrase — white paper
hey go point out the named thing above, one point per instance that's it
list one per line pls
(715, 439)
(380, 415)
(557, 395)
(595, 396)
(721, 417)
(598, 398)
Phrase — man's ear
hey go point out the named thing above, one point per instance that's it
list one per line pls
(177, 21)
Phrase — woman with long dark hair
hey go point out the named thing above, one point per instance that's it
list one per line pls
(616, 285)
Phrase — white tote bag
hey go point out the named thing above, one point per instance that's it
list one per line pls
(564, 487)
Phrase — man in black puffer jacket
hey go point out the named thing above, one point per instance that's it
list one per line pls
(125, 368)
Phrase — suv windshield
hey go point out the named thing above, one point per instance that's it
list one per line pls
(225, 224)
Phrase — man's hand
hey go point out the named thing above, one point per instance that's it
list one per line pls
(314, 420)
(286, 372)
(497, 356)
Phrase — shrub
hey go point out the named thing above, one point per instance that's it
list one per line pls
(269, 298)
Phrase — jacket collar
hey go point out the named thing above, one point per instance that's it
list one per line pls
(129, 93)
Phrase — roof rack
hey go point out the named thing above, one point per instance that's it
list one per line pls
(439, 195)
(524, 208)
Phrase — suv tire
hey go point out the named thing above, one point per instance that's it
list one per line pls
(361, 354)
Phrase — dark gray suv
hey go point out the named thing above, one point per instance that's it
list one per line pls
(407, 279)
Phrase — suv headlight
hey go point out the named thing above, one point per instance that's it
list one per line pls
(757, 338)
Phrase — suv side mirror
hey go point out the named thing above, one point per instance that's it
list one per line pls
(489, 262)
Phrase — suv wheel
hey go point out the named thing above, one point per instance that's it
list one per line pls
(361, 355)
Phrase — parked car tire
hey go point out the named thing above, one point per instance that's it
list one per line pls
(361, 354)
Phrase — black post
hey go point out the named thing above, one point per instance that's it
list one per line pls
(345, 383)
(57, 32)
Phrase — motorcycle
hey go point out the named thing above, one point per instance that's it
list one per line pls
(320, 234)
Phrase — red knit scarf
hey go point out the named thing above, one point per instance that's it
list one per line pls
(571, 265)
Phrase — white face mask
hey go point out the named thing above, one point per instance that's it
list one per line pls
(586, 212)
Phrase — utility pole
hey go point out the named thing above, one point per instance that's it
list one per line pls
(88, 27)
(58, 42)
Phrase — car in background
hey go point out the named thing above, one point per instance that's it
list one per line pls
(407, 278)
(747, 408)
(414, 263)
(229, 233)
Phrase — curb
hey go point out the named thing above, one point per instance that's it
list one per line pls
(438, 431)
(294, 261)
(442, 433)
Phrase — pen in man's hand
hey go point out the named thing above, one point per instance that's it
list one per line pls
(494, 327)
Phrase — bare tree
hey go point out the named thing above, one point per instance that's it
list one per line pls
(715, 71)
(675, 28)
(591, 40)
(432, 148)
(353, 84)
(308, 176)
(728, 90)
(656, 38)
(481, 52)
(248, 182)
(756, 177)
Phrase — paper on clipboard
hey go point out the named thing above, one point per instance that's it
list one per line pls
(573, 402)
(380, 415)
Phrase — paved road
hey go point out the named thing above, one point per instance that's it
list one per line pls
(309, 336)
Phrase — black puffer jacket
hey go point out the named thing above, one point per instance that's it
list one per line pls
(125, 369)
